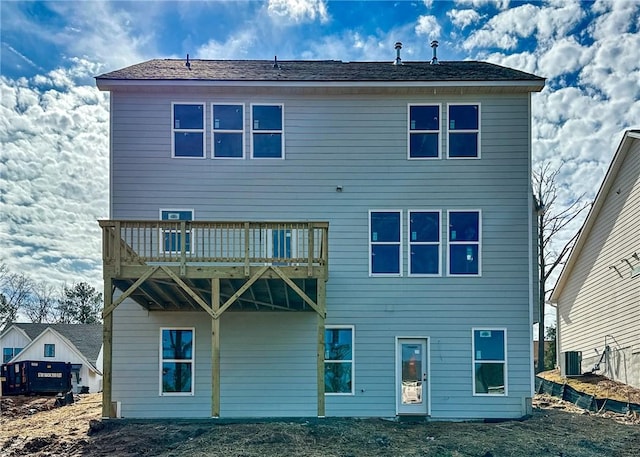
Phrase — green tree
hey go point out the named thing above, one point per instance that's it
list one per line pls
(550, 348)
(79, 304)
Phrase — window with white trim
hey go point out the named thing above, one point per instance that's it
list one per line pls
(385, 241)
(267, 134)
(464, 131)
(9, 353)
(489, 361)
(228, 131)
(177, 361)
(424, 243)
(187, 130)
(49, 350)
(338, 360)
(464, 243)
(424, 132)
(171, 234)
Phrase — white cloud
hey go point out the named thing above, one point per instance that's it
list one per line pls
(54, 168)
(299, 11)
(463, 18)
(428, 26)
(500, 4)
(239, 46)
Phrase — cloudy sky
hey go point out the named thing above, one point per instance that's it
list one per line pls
(54, 122)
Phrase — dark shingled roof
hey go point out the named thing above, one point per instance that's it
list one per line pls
(320, 70)
(87, 338)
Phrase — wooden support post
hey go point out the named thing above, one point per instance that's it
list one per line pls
(321, 291)
(215, 348)
(107, 341)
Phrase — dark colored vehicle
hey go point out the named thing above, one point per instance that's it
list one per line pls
(33, 377)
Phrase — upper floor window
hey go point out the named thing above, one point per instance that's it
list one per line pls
(464, 131)
(172, 231)
(489, 361)
(424, 243)
(228, 131)
(385, 240)
(176, 361)
(187, 130)
(464, 243)
(267, 135)
(424, 131)
(338, 360)
(49, 350)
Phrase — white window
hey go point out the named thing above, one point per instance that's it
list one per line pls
(464, 243)
(385, 241)
(187, 130)
(464, 131)
(338, 359)
(227, 131)
(424, 243)
(171, 232)
(489, 361)
(424, 132)
(177, 347)
(267, 133)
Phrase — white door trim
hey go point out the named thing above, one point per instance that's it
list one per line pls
(427, 342)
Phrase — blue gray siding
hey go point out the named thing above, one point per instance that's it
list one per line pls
(358, 142)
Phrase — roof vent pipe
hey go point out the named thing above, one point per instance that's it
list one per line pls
(188, 64)
(275, 62)
(398, 60)
(434, 59)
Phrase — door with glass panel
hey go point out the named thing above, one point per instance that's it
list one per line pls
(412, 376)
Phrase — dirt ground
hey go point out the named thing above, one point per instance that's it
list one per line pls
(32, 426)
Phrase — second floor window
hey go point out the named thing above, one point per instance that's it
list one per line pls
(228, 131)
(385, 241)
(187, 130)
(267, 135)
(424, 243)
(49, 350)
(464, 243)
(464, 131)
(424, 131)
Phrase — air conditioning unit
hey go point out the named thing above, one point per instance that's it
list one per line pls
(571, 363)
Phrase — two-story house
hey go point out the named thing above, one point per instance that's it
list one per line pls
(319, 238)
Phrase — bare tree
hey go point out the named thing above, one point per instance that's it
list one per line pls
(552, 220)
(40, 307)
(15, 291)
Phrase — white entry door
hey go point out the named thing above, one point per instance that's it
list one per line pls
(412, 376)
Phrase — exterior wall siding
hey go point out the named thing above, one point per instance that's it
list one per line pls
(359, 143)
(599, 304)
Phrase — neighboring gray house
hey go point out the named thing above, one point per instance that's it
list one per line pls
(598, 293)
(77, 344)
(319, 238)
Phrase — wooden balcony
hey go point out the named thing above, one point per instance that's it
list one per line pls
(260, 265)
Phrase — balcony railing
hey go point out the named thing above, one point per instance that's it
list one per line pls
(128, 242)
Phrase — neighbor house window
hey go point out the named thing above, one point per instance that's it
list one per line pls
(176, 361)
(171, 232)
(338, 360)
(464, 242)
(464, 131)
(9, 353)
(385, 240)
(489, 361)
(49, 350)
(424, 243)
(424, 131)
(267, 139)
(228, 131)
(187, 129)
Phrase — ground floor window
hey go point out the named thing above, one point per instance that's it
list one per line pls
(489, 361)
(9, 353)
(338, 359)
(176, 361)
